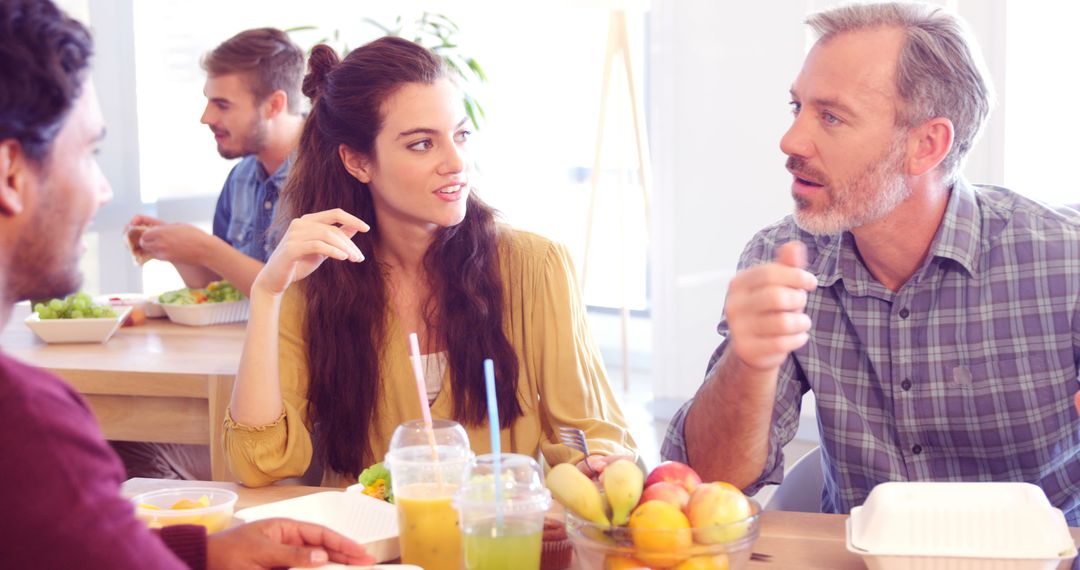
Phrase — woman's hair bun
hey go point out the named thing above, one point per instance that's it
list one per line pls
(321, 62)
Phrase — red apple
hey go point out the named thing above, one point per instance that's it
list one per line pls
(667, 492)
(718, 513)
(674, 472)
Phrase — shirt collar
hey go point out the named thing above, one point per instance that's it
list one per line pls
(957, 239)
(960, 232)
(277, 179)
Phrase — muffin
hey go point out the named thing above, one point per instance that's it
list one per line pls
(556, 552)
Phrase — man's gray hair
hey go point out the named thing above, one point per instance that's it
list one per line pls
(940, 72)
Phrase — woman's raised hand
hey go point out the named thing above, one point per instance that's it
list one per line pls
(309, 241)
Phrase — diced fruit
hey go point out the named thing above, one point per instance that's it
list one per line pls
(661, 534)
(202, 503)
(674, 472)
(714, 509)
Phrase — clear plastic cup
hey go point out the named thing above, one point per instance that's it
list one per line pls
(507, 533)
(424, 485)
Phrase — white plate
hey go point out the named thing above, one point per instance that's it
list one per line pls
(76, 330)
(205, 314)
(369, 521)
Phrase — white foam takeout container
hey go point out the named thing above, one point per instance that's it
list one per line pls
(959, 526)
(204, 314)
(367, 520)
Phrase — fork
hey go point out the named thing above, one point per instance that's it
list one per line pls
(574, 438)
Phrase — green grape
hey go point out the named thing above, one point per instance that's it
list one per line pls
(47, 313)
(56, 305)
(75, 314)
(38, 307)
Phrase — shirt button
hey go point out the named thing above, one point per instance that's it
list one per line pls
(916, 449)
(906, 384)
(904, 313)
(267, 205)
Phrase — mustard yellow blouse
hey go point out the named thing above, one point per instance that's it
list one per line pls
(562, 380)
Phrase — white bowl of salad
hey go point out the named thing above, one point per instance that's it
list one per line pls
(75, 318)
(217, 304)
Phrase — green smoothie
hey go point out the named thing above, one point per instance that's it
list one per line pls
(515, 544)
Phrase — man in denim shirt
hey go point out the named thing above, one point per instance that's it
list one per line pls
(936, 321)
(253, 109)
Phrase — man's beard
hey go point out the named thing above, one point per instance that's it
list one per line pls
(252, 142)
(867, 198)
(46, 267)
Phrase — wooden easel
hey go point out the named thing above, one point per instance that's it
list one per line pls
(618, 47)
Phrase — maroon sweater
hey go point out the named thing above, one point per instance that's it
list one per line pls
(60, 503)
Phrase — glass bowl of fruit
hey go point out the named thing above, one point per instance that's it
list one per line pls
(668, 520)
(207, 506)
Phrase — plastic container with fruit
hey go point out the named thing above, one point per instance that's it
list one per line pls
(669, 519)
(207, 506)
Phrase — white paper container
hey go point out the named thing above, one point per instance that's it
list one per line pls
(76, 330)
(205, 314)
(959, 526)
(367, 520)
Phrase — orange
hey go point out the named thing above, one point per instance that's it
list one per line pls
(710, 562)
(661, 534)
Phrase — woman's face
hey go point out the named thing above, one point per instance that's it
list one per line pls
(420, 172)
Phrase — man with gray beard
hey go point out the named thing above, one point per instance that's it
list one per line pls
(936, 321)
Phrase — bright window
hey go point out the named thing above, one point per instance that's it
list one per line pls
(1040, 129)
(534, 152)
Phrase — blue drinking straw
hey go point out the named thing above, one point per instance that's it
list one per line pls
(496, 448)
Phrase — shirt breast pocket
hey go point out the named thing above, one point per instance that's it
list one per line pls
(1007, 404)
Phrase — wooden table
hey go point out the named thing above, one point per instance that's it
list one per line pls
(159, 382)
(790, 540)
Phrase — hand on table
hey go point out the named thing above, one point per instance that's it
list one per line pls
(309, 241)
(765, 308)
(274, 543)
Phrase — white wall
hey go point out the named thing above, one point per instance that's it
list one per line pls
(720, 74)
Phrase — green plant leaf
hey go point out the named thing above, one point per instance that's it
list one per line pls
(471, 112)
(299, 29)
(475, 67)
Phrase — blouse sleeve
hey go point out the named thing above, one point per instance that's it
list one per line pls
(260, 455)
(574, 390)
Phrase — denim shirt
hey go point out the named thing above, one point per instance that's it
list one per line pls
(246, 207)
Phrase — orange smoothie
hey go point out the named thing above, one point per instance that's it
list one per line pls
(429, 527)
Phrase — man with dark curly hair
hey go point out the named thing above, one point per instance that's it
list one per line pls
(60, 492)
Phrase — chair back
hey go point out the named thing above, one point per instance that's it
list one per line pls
(801, 489)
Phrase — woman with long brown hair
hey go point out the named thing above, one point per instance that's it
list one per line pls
(381, 187)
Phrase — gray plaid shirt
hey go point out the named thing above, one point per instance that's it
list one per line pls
(967, 373)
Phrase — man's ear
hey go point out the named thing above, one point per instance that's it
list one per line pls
(15, 177)
(928, 145)
(355, 163)
(276, 103)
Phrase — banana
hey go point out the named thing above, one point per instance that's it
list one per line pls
(623, 482)
(578, 493)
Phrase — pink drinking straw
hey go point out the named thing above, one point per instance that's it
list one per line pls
(421, 392)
